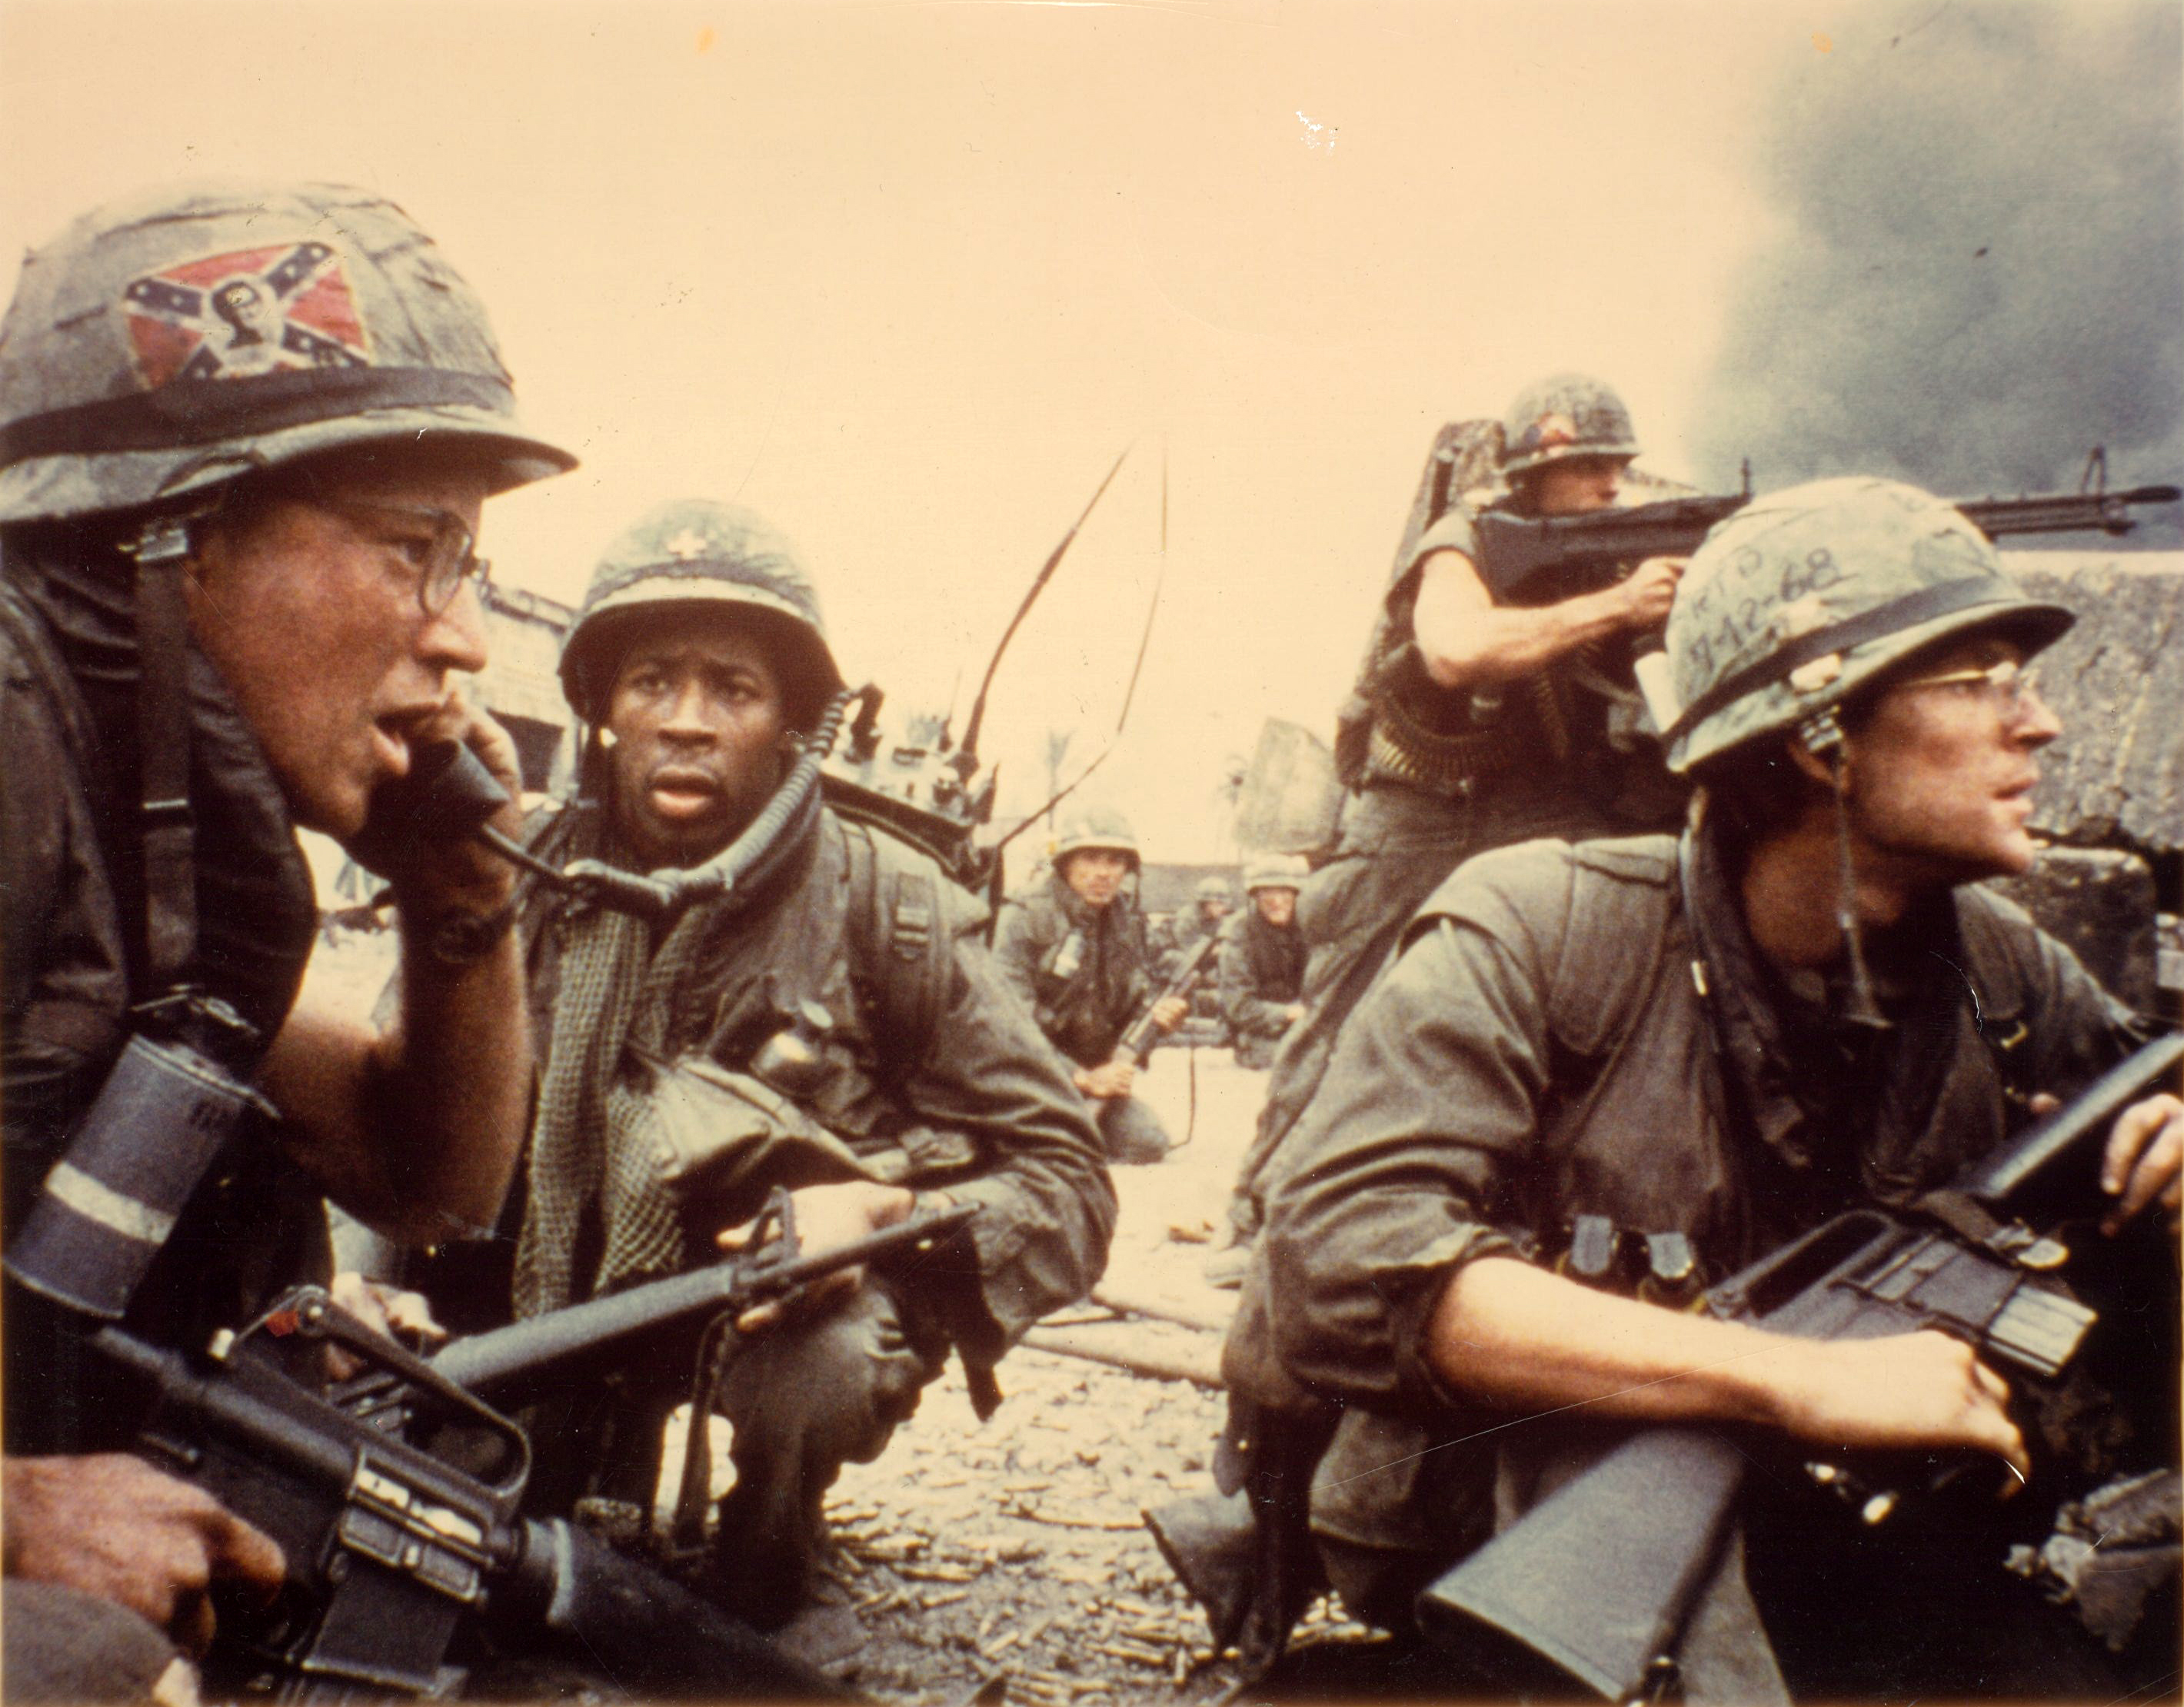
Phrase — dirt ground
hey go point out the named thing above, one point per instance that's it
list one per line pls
(1014, 1548)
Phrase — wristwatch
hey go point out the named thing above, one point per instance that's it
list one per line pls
(457, 937)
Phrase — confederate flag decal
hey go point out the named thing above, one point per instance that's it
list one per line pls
(252, 311)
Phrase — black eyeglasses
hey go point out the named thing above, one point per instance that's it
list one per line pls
(443, 559)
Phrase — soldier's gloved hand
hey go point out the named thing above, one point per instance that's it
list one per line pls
(1650, 590)
(1113, 1080)
(828, 1217)
(1170, 1011)
(112, 1526)
(2144, 1161)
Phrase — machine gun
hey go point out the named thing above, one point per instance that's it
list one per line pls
(1137, 1043)
(1526, 560)
(395, 1495)
(1642, 1529)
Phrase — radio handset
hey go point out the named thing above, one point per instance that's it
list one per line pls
(447, 794)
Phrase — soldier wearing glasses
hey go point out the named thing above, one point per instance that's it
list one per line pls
(239, 559)
(1803, 1005)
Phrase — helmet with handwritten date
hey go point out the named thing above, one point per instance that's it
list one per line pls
(1804, 596)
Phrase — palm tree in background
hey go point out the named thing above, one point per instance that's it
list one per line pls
(1057, 753)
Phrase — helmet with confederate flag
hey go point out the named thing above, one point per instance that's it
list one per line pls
(167, 343)
(1565, 415)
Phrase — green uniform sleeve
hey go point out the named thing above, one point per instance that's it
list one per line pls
(1047, 1206)
(1410, 1158)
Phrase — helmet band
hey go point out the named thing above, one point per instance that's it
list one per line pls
(1942, 599)
(190, 412)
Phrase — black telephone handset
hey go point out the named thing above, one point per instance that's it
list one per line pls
(448, 793)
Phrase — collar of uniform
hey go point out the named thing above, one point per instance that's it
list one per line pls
(1783, 1036)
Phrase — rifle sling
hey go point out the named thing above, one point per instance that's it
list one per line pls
(1967, 1219)
(163, 713)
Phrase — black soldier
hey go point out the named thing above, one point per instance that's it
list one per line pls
(1262, 955)
(1475, 725)
(233, 605)
(1804, 1004)
(1074, 946)
(833, 1025)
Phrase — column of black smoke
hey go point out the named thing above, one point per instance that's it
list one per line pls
(1983, 273)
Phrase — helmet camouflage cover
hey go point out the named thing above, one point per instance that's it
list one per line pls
(1803, 597)
(1095, 827)
(1214, 889)
(162, 344)
(1274, 871)
(685, 554)
(1564, 415)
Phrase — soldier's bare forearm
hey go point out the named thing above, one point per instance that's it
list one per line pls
(414, 1129)
(1528, 1340)
(1467, 641)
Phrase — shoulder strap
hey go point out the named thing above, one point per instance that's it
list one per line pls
(1611, 944)
(1996, 975)
(899, 942)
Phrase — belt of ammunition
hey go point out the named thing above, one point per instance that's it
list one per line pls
(1403, 750)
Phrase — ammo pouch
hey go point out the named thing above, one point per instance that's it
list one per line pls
(725, 1139)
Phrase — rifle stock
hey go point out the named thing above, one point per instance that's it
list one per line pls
(1596, 1581)
(1641, 1530)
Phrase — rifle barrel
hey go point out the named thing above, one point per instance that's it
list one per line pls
(486, 1363)
(2106, 512)
(2023, 1165)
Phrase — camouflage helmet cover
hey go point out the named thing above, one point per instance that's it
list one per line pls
(1803, 596)
(165, 343)
(1564, 415)
(1095, 827)
(1274, 871)
(688, 552)
(1214, 888)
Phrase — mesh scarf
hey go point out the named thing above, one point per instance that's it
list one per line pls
(594, 1150)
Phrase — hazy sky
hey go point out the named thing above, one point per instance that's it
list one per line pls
(907, 277)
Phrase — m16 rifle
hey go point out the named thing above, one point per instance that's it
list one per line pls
(1137, 1042)
(395, 1494)
(1526, 560)
(1597, 1580)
